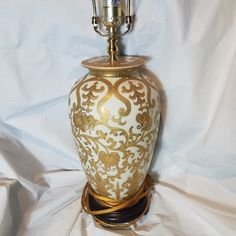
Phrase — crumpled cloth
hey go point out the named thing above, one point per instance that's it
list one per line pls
(191, 48)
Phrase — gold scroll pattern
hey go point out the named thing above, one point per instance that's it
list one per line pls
(115, 123)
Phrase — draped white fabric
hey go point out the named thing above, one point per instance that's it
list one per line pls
(192, 48)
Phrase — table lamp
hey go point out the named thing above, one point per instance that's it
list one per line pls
(115, 113)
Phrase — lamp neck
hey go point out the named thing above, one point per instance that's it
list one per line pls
(112, 45)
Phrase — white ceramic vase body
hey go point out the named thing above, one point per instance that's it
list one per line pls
(115, 113)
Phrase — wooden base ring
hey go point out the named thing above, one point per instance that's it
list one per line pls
(123, 218)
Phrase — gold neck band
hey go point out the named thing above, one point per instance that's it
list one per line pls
(115, 73)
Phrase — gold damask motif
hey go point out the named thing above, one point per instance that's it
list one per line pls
(115, 142)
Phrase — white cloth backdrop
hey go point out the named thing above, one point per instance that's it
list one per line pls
(192, 49)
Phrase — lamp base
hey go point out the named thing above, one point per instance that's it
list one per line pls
(123, 218)
(117, 214)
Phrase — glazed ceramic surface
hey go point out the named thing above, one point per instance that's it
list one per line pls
(115, 112)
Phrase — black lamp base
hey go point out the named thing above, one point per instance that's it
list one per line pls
(123, 218)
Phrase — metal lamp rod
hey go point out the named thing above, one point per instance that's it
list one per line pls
(128, 8)
(94, 8)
